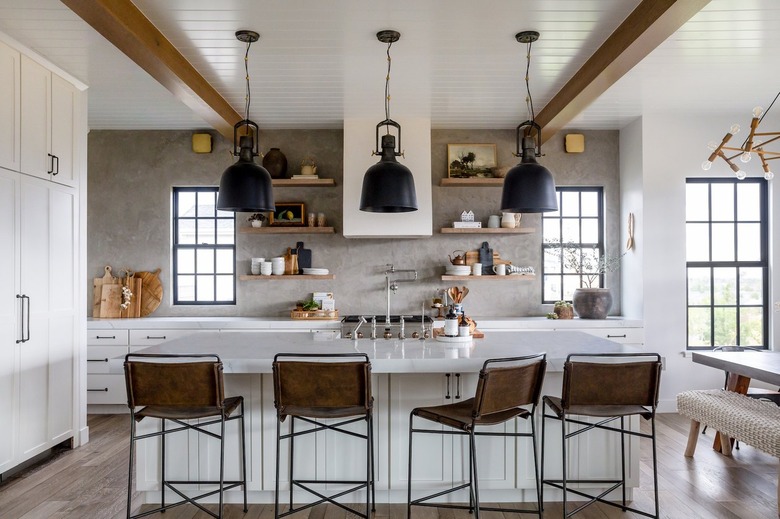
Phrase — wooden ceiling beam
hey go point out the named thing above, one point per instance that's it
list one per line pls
(122, 24)
(649, 25)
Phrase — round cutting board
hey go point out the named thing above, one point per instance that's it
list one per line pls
(151, 291)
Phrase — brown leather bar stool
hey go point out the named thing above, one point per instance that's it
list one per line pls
(175, 388)
(609, 387)
(329, 392)
(506, 389)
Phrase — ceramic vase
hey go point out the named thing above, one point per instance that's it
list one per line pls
(276, 163)
(592, 303)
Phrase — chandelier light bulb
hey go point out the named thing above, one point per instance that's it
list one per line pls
(757, 111)
(741, 174)
(745, 157)
(712, 145)
(769, 175)
(706, 165)
(734, 129)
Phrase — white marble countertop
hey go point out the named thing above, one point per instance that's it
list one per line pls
(247, 352)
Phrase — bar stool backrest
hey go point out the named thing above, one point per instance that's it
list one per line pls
(323, 384)
(173, 381)
(611, 379)
(509, 383)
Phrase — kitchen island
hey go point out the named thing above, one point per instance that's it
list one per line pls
(406, 374)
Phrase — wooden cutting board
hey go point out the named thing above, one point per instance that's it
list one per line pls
(110, 299)
(151, 291)
(134, 308)
(472, 257)
(97, 289)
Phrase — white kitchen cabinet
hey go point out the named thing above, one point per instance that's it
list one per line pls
(9, 107)
(39, 336)
(48, 119)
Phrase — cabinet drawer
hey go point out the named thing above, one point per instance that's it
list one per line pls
(152, 337)
(106, 389)
(621, 335)
(107, 337)
(105, 359)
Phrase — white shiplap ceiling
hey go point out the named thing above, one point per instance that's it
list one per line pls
(457, 61)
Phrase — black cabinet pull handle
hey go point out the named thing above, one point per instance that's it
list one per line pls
(153, 337)
(457, 386)
(616, 336)
(55, 170)
(97, 360)
(51, 163)
(447, 396)
(104, 390)
(106, 337)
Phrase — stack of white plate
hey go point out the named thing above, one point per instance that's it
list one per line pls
(458, 270)
(315, 272)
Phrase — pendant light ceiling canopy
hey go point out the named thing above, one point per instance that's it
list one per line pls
(529, 187)
(246, 186)
(388, 185)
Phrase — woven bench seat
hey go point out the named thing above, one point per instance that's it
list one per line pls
(749, 420)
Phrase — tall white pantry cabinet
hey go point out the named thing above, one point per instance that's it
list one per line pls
(42, 256)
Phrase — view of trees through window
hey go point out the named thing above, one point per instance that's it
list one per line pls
(726, 249)
(204, 248)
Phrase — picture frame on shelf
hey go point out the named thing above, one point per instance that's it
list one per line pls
(471, 160)
(288, 214)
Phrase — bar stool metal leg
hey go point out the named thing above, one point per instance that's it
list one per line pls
(243, 454)
(162, 462)
(409, 473)
(130, 468)
(474, 484)
(276, 489)
(221, 463)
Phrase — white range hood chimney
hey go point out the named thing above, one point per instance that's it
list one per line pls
(359, 142)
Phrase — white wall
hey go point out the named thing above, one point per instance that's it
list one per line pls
(673, 148)
(631, 201)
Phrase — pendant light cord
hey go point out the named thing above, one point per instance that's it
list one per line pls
(387, 88)
(529, 100)
(248, 97)
(744, 143)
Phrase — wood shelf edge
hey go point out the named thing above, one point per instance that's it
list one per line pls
(250, 277)
(472, 182)
(512, 277)
(315, 182)
(286, 230)
(488, 230)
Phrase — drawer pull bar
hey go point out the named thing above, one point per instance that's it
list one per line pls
(97, 360)
(104, 390)
(616, 336)
(153, 337)
(106, 337)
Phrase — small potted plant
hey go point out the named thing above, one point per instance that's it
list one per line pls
(563, 310)
(256, 219)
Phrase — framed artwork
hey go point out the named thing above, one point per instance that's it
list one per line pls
(291, 214)
(471, 160)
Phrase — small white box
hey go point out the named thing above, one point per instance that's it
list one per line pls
(328, 304)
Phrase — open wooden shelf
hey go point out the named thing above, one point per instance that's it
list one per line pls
(301, 277)
(286, 230)
(508, 277)
(488, 230)
(471, 182)
(315, 182)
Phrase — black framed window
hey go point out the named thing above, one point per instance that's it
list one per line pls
(727, 267)
(204, 249)
(573, 235)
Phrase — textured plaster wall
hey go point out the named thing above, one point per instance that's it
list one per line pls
(131, 174)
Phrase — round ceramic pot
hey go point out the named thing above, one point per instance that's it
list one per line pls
(276, 163)
(592, 303)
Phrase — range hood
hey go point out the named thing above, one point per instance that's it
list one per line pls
(359, 142)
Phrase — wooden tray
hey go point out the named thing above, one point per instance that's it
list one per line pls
(476, 335)
(315, 315)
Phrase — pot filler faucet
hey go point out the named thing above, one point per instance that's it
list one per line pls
(391, 285)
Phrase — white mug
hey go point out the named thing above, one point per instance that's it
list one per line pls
(476, 269)
(277, 266)
(266, 268)
(494, 221)
(255, 269)
(500, 269)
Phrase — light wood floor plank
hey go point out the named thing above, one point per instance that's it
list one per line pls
(90, 483)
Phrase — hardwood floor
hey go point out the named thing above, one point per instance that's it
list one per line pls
(91, 483)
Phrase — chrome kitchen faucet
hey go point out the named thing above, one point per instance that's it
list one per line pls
(392, 285)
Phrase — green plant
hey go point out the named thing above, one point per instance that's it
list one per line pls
(562, 304)
(256, 216)
(587, 262)
(309, 305)
(552, 315)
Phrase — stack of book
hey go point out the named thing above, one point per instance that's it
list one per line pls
(305, 177)
(467, 225)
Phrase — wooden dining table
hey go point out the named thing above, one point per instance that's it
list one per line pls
(741, 367)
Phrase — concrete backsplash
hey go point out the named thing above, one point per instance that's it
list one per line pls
(131, 174)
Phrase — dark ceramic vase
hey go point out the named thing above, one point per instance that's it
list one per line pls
(592, 303)
(276, 163)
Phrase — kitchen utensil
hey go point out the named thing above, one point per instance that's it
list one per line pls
(136, 288)
(463, 293)
(486, 258)
(151, 291)
(458, 259)
(499, 270)
(291, 261)
(97, 289)
(304, 256)
(110, 299)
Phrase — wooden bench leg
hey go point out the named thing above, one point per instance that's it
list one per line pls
(725, 444)
(693, 436)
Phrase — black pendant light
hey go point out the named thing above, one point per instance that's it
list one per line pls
(246, 186)
(529, 187)
(388, 185)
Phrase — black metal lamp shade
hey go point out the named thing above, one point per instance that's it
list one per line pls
(246, 186)
(529, 187)
(388, 185)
